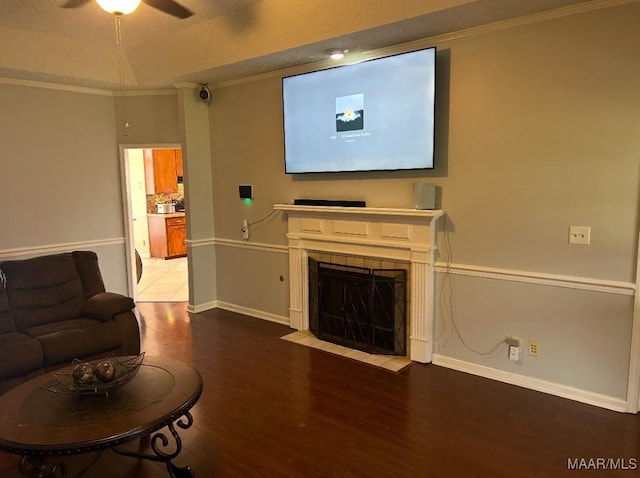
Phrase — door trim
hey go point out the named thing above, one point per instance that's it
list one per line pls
(127, 213)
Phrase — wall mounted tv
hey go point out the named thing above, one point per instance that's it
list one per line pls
(377, 115)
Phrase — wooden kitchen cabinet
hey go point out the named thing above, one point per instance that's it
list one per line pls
(179, 170)
(167, 235)
(161, 170)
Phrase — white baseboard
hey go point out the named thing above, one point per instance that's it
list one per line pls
(564, 391)
(202, 307)
(254, 313)
(259, 314)
(532, 383)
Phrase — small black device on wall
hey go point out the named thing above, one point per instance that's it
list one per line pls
(204, 94)
(245, 191)
(424, 196)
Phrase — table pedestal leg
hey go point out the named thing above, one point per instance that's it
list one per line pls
(37, 467)
(159, 444)
(177, 472)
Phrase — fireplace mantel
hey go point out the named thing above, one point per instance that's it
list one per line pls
(361, 211)
(387, 233)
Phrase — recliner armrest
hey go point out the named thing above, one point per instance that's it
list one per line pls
(104, 305)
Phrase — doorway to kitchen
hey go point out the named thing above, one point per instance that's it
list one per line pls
(155, 223)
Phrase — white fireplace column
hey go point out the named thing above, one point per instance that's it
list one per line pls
(298, 284)
(401, 235)
(422, 305)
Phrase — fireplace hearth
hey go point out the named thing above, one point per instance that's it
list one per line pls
(358, 307)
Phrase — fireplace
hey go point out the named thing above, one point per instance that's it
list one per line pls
(359, 307)
(389, 235)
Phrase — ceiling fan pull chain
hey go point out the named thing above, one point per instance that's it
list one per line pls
(123, 92)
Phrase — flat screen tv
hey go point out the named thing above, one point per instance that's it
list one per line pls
(377, 115)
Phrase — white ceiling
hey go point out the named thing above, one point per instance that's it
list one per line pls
(226, 39)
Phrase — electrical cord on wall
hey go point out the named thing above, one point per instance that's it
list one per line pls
(449, 301)
(245, 228)
(273, 211)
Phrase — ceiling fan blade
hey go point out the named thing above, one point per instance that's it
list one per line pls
(169, 6)
(75, 3)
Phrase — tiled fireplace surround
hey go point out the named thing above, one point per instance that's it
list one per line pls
(369, 237)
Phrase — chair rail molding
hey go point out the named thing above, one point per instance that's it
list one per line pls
(32, 251)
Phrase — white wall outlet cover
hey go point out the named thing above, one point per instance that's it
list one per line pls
(579, 235)
(534, 348)
(245, 230)
(514, 353)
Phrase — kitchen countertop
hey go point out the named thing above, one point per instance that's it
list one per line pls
(171, 214)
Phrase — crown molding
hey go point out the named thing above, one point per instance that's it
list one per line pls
(55, 86)
(414, 45)
(186, 84)
(156, 92)
(86, 90)
(437, 40)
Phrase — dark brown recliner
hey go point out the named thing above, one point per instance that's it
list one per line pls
(53, 309)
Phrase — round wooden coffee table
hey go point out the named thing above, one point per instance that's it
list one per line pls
(39, 424)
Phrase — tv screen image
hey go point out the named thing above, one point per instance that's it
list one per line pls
(350, 113)
(368, 116)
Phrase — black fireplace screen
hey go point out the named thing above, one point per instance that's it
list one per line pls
(358, 307)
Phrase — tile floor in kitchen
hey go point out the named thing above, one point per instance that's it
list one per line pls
(163, 280)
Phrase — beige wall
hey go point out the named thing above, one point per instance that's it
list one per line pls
(59, 166)
(60, 176)
(196, 156)
(61, 169)
(153, 119)
(543, 134)
(537, 131)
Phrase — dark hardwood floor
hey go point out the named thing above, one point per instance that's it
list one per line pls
(272, 408)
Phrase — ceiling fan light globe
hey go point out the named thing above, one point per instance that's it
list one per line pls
(119, 7)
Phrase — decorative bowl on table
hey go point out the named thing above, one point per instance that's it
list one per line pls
(98, 377)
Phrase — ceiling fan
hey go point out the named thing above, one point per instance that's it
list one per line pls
(170, 7)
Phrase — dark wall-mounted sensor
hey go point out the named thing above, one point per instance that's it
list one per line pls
(246, 191)
(204, 94)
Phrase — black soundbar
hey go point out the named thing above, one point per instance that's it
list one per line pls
(328, 202)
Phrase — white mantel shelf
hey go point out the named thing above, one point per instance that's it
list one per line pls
(365, 211)
(389, 233)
